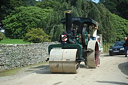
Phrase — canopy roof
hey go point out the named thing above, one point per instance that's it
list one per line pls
(81, 20)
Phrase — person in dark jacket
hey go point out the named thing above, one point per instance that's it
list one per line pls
(126, 46)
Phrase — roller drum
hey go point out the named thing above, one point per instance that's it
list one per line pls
(63, 61)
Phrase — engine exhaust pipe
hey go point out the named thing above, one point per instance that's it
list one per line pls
(68, 21)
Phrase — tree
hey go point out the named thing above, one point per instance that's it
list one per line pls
(36, 35)
(53, 26)
(46, 4)
(122, 9)
(23, 18)
(121, 26)
(6, 7)
(118, 7)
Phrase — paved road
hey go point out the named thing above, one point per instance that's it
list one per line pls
(113, 70)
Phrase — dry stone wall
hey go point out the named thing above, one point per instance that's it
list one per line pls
(17, 55)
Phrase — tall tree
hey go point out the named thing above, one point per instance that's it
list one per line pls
(118, 7)
(24, 18)
(6, 7)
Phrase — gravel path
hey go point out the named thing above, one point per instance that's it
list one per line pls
(113, 70)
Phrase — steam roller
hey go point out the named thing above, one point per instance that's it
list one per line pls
(76, 45)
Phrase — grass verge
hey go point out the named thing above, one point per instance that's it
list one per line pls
(106, 47)
(13, 41)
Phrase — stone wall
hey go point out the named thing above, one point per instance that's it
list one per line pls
(17, 55)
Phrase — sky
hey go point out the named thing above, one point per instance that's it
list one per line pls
(96, 1)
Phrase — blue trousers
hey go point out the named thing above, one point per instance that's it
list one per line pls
(125, 50)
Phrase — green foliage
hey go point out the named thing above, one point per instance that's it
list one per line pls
(8, 6)
(24, 18)
(48, 4)
(121, 26)
(1, 36)
(53, 27)
(36, 36)
(118, 7)
(105, 19)
(47, 14)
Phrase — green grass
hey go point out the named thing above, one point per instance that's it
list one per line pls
(10, 72)
(13, 41)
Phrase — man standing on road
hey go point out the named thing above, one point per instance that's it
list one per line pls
(126, 46)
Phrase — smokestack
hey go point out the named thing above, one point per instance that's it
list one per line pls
(68, 21)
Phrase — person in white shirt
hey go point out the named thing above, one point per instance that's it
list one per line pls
(94, 32)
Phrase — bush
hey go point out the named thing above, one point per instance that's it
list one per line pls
(36, 35)
(24, 18)
(1, 36)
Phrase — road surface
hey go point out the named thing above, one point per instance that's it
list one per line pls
(113, 70)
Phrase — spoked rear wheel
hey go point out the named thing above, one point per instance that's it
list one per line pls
(93, 55)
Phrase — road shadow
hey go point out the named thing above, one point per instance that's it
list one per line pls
(43, 69)
(113, 82)
(124, 68)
